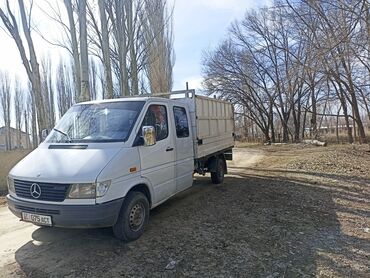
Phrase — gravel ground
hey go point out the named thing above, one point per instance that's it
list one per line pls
(344, 160)
(273, 217)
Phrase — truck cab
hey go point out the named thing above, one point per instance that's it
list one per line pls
(107, 163)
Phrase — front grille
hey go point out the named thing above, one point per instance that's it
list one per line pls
(55, 192)
(37, 210)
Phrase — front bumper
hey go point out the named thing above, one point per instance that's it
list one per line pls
(71, 216)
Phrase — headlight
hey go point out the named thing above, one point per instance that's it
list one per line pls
(102, 188)
(82, 191)
(11, 187)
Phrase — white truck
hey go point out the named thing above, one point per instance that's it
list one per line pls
(107, 163)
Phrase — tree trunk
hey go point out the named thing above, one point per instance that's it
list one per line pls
(297, 123)
(93, 74)
(105, 51)
(304, 124)
(18, 102)
(74, 45)
(314, 115)
(131, 42)
(346, 118)
(355, 110)
(340, 94)
(267, 135)
(285, 128)
(36, 79)
(271, 120)
(337, 126)
(120, 34)
(5, 105)
(357, 118)
(354, 128)
(85, 91)
(35, 138)
(51, 98)
(26, 122)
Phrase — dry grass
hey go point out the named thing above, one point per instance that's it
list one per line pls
(7, 161)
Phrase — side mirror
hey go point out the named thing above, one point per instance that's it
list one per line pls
(44, 134)
(149, 135)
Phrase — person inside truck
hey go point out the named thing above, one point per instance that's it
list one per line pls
(160, 123)
(157, 117)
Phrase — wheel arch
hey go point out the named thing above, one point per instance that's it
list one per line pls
(143, 188)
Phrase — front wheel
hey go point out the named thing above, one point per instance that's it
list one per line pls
(133, 217)
(217, 177)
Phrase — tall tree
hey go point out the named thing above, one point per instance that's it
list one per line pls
(116, 12)
(30, 62)
(159, 40)
(18, 100)
(72, 32)
(93, 77)
(84, 59)
(105, 49)
(65, 88)
(5, 104)
(47, 88)
(27, 118)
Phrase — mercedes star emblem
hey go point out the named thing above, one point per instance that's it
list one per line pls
(35, 190)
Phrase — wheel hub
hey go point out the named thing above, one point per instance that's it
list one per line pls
(137, 216)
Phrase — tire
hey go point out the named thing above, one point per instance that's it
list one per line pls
(133, 217)
(218, 176)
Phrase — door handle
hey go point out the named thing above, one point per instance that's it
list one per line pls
(169, 149)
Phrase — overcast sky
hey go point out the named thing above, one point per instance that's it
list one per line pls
(198, 25)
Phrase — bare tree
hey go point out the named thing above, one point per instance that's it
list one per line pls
(47, 87)
(117, 36)
(106, 49)
(30, 62)
(93, 79)
(339, 29)
(73, 45)
(5, 104)
(294, 63)
(132, 28)
(84, 59)
(65, 88)
(18, 100)
(27, 118)
(229, 72)
(159, 40)
(116, 12)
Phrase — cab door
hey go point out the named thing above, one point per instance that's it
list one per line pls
(184, 165)
(158, 161)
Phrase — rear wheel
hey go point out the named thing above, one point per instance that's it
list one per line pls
(133, 217)
(217, 177)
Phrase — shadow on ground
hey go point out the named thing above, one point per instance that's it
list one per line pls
(251, 226)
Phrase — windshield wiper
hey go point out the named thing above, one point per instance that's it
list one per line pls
(65, 134)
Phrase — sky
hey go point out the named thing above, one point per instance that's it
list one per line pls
(199, 25)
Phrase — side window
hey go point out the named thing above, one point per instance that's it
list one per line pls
(157, 116)
(181, 122)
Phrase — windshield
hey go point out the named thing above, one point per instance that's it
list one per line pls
(98, 122)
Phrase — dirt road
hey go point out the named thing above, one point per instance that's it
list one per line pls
(259, 223)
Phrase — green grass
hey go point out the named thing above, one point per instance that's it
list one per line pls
(7, 161)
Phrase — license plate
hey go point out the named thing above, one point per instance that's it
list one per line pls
(37, 218)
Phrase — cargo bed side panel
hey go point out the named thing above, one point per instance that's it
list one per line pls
(214, 126)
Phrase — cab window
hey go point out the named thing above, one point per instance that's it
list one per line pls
(181, 122)
(157, 116)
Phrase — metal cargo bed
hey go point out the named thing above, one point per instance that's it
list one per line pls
(212, 122)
